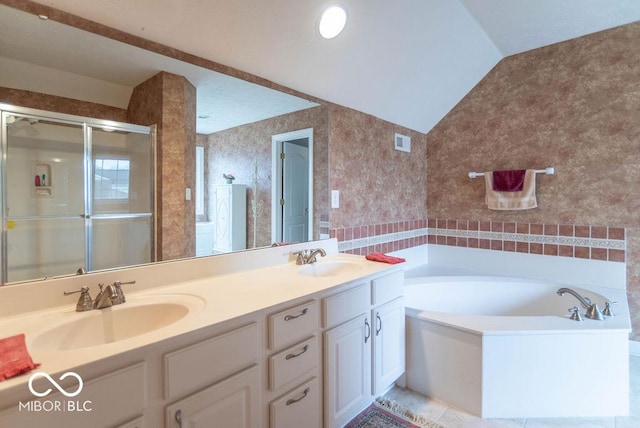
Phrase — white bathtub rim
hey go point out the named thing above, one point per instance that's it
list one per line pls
(486, 325)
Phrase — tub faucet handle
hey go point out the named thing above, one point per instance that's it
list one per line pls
(607, 311)
(575, 314)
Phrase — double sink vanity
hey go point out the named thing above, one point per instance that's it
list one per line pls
(248, 339)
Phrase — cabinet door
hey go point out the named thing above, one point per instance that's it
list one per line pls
(347, 370)
(230, 403)
(222, 217)
(388, 343)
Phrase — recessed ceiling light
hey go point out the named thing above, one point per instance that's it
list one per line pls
(332, 22)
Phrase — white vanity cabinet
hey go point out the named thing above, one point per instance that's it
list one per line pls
(315, 356)
(388, 317)
(293, 367)
(229, 217)
(227, 367)
(233, 402)
(347, 353)
(364, 345)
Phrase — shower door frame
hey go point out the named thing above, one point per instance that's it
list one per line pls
(87, 124)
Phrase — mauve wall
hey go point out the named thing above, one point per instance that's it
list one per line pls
(382, 190)
(176, 141)
(237, 149)
(573, 105)
(57, 104)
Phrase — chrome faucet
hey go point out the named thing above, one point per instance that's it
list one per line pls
(108, 296)
(305, 257)
(592, 310)
(105, 297)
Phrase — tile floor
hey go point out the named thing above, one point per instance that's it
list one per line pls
(454, 418)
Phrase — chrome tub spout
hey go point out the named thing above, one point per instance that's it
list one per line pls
(592, 310)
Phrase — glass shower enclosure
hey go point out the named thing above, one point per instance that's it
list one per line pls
(77, 193)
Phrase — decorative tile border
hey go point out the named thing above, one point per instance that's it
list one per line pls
(587, 242)
(384, 237)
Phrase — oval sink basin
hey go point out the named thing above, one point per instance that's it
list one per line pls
(103, 326)
(332, 268)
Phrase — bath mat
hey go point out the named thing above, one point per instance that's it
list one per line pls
(384, 413)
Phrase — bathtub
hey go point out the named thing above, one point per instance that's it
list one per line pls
(506, 348)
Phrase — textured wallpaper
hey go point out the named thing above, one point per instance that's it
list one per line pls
(176, 143)
(238, 149)
(377, 183)
(572, 105)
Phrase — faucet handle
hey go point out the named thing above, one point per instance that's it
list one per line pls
(607, 311)
(85, 303)
(301, 256)
(575, 314)
(119, 294)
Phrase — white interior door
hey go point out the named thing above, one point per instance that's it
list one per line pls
(292, 186)
(295, 210)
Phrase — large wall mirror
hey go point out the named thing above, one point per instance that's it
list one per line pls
(222, 181)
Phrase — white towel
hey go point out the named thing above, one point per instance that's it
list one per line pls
(522, 200)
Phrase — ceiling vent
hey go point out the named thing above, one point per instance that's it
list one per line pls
(403, 143)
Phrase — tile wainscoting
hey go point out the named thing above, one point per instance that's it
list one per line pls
(383, 237)
(586, 242)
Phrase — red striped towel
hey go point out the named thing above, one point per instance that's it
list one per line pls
(379, 257)
(14, 357)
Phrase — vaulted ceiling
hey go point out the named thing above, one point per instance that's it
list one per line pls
(405, 61)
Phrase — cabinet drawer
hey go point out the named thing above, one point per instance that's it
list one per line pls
(346, 305)
(292, 363)
(296, 323)
(387, 288)
(300, 407)
(194, 367)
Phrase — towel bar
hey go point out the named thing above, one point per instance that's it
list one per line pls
(549, 171)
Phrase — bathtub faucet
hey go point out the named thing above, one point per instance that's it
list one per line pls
(593, 312)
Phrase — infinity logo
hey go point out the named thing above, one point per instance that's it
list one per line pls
(54, 383)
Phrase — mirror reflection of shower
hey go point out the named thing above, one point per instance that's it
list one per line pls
(22, 124)
(77, 193)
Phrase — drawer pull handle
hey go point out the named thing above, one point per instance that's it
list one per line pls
(379, 320)
(292, 317)
(178, 417)
(290, 356)
(295, 400)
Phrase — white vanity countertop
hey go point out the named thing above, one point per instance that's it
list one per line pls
(218, 298)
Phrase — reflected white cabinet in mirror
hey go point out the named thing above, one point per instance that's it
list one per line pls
(229, 217)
